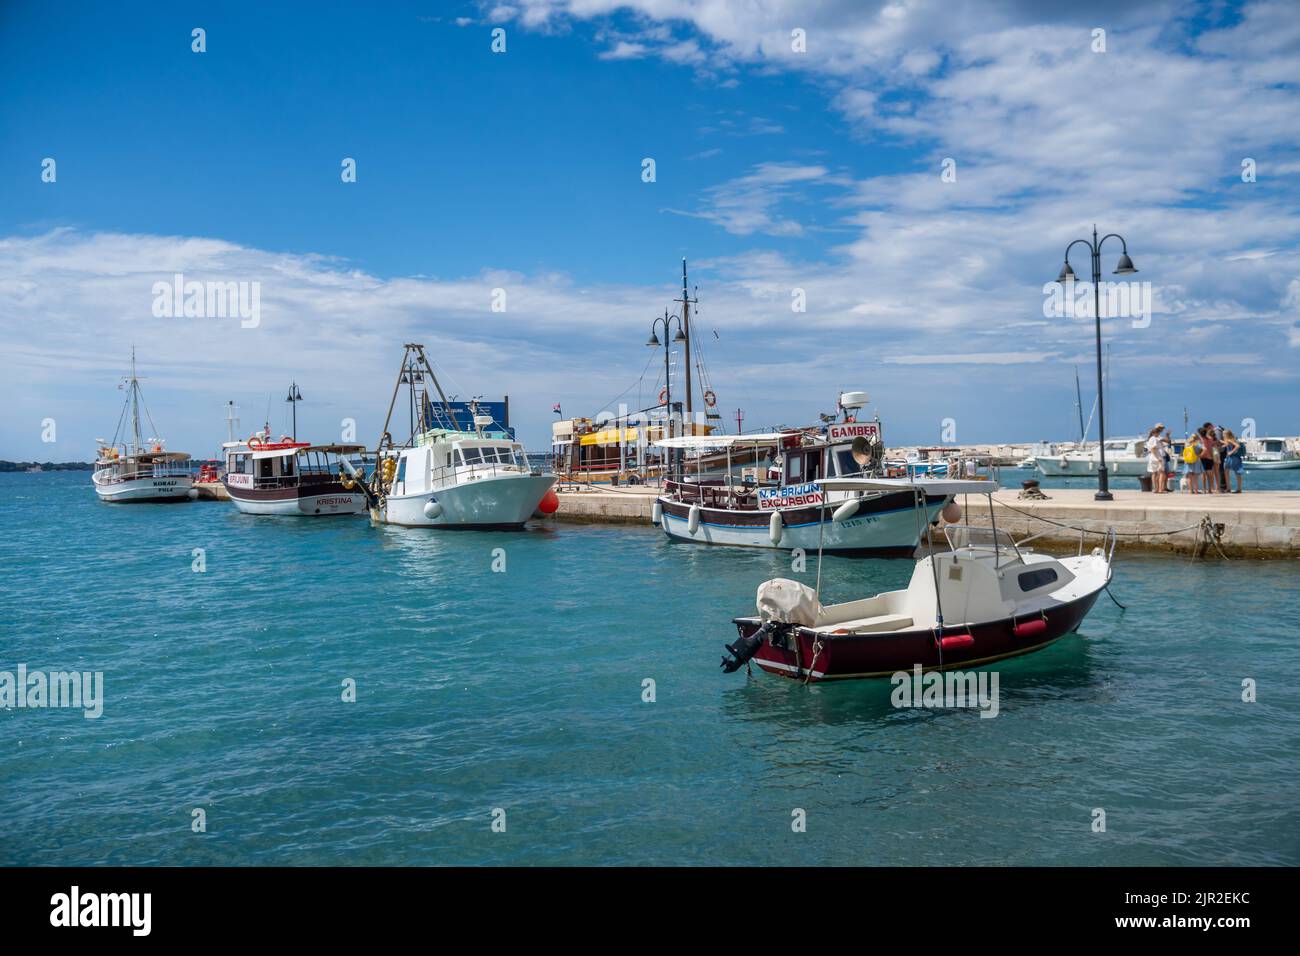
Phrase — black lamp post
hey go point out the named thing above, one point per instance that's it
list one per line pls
(294, 398)
(653, 342)
(1123, 268)
(677, 339)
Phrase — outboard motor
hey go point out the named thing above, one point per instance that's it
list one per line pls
(746, 647)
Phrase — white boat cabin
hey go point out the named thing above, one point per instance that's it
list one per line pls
(444, 458)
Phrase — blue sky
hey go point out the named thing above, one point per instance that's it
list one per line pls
(775, 170)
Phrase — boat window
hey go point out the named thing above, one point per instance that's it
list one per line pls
(794, 468)
(401, 470)
(1032, 580)
(814, 467)
(845, 463)
(470, 456)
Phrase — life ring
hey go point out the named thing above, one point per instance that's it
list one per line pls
(254, 441)
(156, 448)
(663, 396)
(710, 399)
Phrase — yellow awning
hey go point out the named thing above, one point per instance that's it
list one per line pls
(628, 436)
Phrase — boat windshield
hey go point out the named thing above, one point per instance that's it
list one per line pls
(492, 455)
(845, 464)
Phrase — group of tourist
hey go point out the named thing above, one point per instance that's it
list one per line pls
(1208, 457)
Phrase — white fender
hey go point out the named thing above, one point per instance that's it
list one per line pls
(432, 509)
(775, 527)
(192, 494)
(656, 513)
(847, 510)
(693, 519)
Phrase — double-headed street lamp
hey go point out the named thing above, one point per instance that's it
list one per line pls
(1123, 268)
(653, 342)
(294, 398)
(677, 339)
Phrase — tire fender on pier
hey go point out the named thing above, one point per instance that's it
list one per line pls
(775, 527)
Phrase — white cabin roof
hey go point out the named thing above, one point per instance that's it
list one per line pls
(723, 441)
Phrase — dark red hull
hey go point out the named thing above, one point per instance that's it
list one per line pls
(853, 656)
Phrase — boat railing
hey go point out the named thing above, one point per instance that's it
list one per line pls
(979, 539)
(446, 475)
(720, 495)
(125, 470)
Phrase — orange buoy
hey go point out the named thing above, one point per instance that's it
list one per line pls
(550, 502)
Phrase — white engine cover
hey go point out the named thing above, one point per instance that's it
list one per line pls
(788, 602)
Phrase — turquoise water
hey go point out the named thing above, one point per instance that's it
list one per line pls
(522, 691)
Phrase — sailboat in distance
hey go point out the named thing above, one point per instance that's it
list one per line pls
(131, 468)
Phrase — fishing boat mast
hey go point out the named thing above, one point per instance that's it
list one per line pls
(415, 366)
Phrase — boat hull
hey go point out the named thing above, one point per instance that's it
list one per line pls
(312, 501)
(885, 526)
(503, 502)
(860, 656)
(170, 488)
(1082, 467)
(1271, 465)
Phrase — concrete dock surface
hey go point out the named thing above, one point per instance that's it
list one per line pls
(1251, 524)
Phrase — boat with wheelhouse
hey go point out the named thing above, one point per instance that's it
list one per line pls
(133, 469)
(292, 478)
(455, 470)
(1269, 454)
(785, 503)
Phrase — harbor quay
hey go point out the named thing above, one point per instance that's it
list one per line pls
(1254, 524)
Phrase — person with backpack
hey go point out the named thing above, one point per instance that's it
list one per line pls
(1192, 462)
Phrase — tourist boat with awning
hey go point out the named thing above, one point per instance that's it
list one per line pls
(133, 469)
(986, 599)
(292, 478)
(455, 470)
(785, 502)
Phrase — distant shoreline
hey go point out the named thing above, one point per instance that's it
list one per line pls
(21, 466)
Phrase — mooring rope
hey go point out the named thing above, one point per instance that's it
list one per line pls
(1121, 534)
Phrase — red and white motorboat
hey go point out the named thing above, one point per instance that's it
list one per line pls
(987, 599)
(292, 478)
